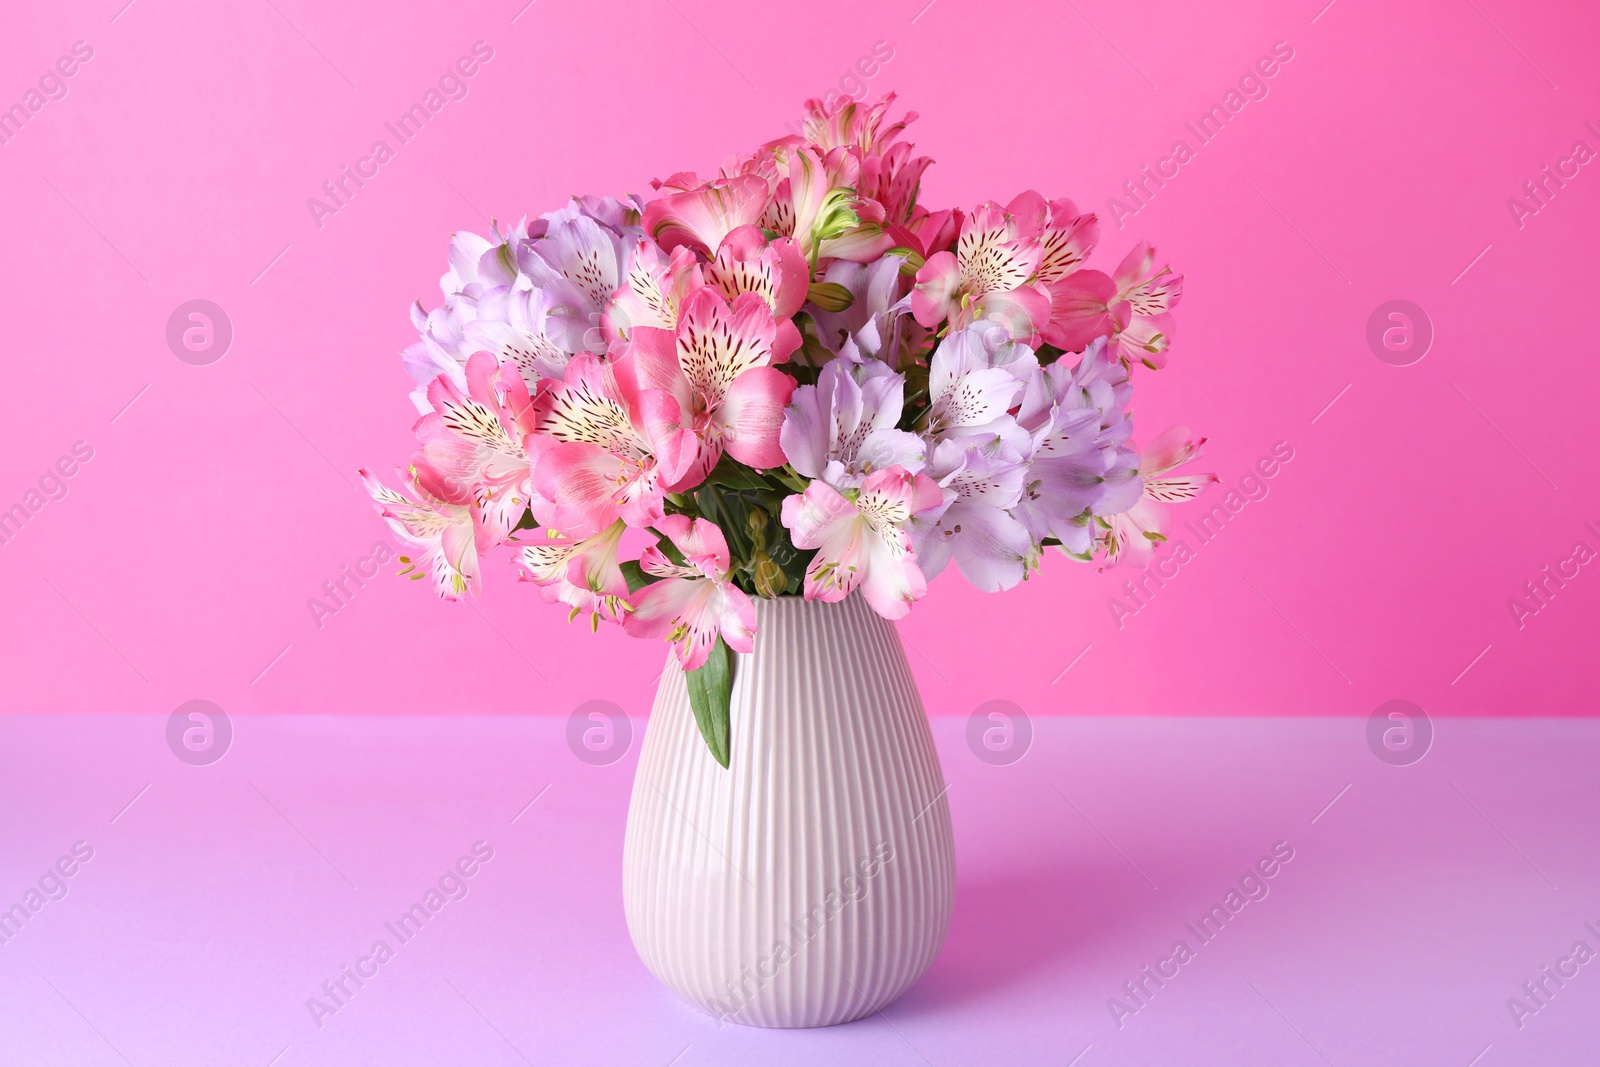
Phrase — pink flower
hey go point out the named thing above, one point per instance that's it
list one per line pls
(1134, 532)
(709, 387)
(933, 231)
(813, 199)
(695, 600)
(1080, 310)
(846, 123)
(888, 173)
(593, 463)
(861, 539)
(441, 532)
(1131, 307)
(989, 275)
(472, 444)
(775, 270)
(1144, 298)
(654, 287)
(583, 574)
(701, 216)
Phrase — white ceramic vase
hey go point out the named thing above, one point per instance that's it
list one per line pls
(811, 881)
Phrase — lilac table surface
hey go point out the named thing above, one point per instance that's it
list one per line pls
(219, 899)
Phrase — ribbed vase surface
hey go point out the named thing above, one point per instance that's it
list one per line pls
(810, 882)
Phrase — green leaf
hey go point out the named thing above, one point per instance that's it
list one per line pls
(793, 561)
(727, 509)
(707, 502)
(711, 697)
(635, 575)
(735, 475)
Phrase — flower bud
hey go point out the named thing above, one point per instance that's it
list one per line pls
(756, 522)
(769, 577)
(830, 296)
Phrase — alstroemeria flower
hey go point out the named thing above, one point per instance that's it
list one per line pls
(479, 264)
(473, 443)
(975, 378)
(1078, 302)
(534, 295)
(888, 174)
(876, 323)
(593, 462)
(774, 270)
(1129, 306)
(989, 275)
(933, 232)
(1066, 236)
(479, 267)
(982, 479)
(1081, 309)
(862, 540)
(1133, 532)
(583, 574)
(843, 428)
(521, 325)
(701, 216)
(696, 600)
(846, 123)
(621, 215)
(814, 200)
(709, 387)
(1148, 294)
(653, 290)
(579, 263)
(1081, 465)
(440, 531)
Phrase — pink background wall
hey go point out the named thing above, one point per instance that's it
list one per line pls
(1378, 167)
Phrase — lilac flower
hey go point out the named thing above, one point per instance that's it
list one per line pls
(982, 477)
(579, 263)
(843, 428)
(521, 325)
(621, 215)
(1081, 464)
(975, 379)
(477, 269)
(878, 318)
(533, 295)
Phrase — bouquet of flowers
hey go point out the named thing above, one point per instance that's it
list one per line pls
(791, 378)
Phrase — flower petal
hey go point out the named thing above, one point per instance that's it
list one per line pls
(751, 414)
(1172, 448)
(934, 293)
(1079, 310)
